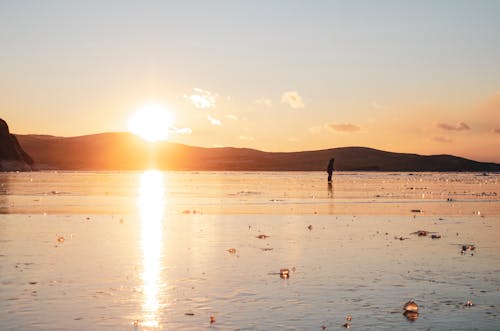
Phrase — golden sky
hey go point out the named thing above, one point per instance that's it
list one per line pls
(418, 77)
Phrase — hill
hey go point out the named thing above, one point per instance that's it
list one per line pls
(124, 151)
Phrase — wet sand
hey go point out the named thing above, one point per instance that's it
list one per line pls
(102, 251)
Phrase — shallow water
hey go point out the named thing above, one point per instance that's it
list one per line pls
(153, 248)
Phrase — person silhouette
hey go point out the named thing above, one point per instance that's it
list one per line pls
(329, 169)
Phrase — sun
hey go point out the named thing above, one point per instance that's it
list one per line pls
(151, 122)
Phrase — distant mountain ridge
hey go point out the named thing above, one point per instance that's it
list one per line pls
(124, 151)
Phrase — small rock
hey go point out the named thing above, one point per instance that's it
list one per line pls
(310, 227)
(284, 273)
(411, 306)
(232, 251)
(212, 319)
(347, 325)
(348, 317)
(468, 247)
(469, 304)
(262, 236)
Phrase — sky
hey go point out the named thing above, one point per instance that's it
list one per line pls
(403, 76)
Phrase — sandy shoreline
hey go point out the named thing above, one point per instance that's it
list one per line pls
(95, 278)
(164, 268)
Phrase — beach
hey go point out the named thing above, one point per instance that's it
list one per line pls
(171, 250)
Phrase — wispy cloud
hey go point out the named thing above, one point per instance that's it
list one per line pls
(214, 121)
(457, 127)
(246, 138)
(376, 105)
(264, 102)
(293, 99)
(442, 139)
(181, 130)
(315, 129)
(232, 117)
(343, 127)
(202, 99)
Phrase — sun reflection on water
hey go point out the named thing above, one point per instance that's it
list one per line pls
(151, 206)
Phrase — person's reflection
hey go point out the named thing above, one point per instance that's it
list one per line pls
(331, 209)
(330, 190)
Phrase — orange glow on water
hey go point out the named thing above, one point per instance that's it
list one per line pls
(151, 205)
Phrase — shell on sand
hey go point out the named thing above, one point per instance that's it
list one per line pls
(411, 306)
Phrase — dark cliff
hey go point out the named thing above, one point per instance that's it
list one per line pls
(12, 156)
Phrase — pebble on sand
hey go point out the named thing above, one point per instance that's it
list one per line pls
(410, 311)
(284, 273)
(232, 251)
(348, 317)
(262, 236)
(411, 306)
(424, 233)
(60, 239)
(468, 247)
(212, 319)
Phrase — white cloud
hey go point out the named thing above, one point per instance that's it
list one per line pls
(214, 121)
(232, 117)
(246, 138)
(181, 130)
(293, 99)
(264, 102)
(344, 127)
(202, 99)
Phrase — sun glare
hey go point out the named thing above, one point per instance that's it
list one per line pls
(151, 122)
